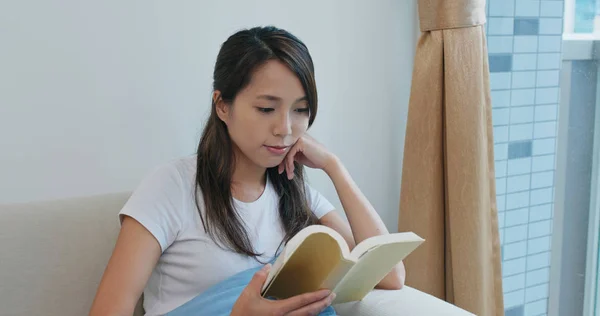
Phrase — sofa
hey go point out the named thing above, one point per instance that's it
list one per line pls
(54, 253)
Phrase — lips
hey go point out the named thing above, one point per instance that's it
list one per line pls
(277, 150)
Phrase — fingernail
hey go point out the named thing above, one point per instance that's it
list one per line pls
(332, 297)
(266, 267)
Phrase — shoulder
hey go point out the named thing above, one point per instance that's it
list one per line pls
(159, 202)
(311, 192)
(173, 172)
(182, 166)
(317, 202)
(170, 181)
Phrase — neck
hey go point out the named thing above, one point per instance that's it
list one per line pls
(246, 172)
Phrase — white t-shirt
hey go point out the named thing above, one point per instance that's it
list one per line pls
(191, 262)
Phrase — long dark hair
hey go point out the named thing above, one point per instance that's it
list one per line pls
(239, 56)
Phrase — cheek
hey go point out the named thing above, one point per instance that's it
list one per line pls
(246, 132)
(299, 127)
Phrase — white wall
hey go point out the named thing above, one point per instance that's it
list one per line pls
(95, 93)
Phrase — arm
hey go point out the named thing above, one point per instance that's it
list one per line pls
(364, 220)
(134, 257)
(137, 252)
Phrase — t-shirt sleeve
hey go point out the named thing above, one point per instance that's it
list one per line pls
(318, 203)
(157, 204)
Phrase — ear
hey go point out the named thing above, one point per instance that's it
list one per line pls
(220, 106)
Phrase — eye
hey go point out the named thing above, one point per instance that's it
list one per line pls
(303, 110)
(265, 110)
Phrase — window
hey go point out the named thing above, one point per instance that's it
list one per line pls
(545, 91)
(582, 16)
(582, 93)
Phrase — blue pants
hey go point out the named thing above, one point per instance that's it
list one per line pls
(219, 299)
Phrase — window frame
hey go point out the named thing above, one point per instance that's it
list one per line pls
(592, 284)
(569, 17)
(578, 47)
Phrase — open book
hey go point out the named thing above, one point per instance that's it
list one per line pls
(318, 257)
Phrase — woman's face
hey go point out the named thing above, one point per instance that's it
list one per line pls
(268, 116)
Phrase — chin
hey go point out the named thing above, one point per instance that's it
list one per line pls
(272, 164)
(268, 163)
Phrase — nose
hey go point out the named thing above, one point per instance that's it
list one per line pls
(283, 126)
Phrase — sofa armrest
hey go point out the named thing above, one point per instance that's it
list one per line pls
(405, 302)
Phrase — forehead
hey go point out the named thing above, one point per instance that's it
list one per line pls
(275, 78)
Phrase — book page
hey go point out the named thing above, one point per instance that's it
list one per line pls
(371, 268)
(299, 238)
(337, 274)
(296, 241)
(277, 266)
(307, 268)
(371, 242)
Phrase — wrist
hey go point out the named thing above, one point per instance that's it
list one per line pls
(332, 165)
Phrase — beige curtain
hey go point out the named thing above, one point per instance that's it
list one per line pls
(448, 184)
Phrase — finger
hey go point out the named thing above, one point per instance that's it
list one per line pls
(258, 279)
(290, 162)
(315, 308)
(281, 166)
(298, 152)
(290, 166)
(302, 300)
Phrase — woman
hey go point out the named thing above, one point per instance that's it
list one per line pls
(198, 220)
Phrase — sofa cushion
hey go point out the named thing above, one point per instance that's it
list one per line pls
(54, 253)
(405, 302)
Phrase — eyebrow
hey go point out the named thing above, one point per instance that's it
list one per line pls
(275, 98)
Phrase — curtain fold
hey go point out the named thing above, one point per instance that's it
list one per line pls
(448, 182)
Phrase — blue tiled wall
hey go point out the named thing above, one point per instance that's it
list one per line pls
(524, 44)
